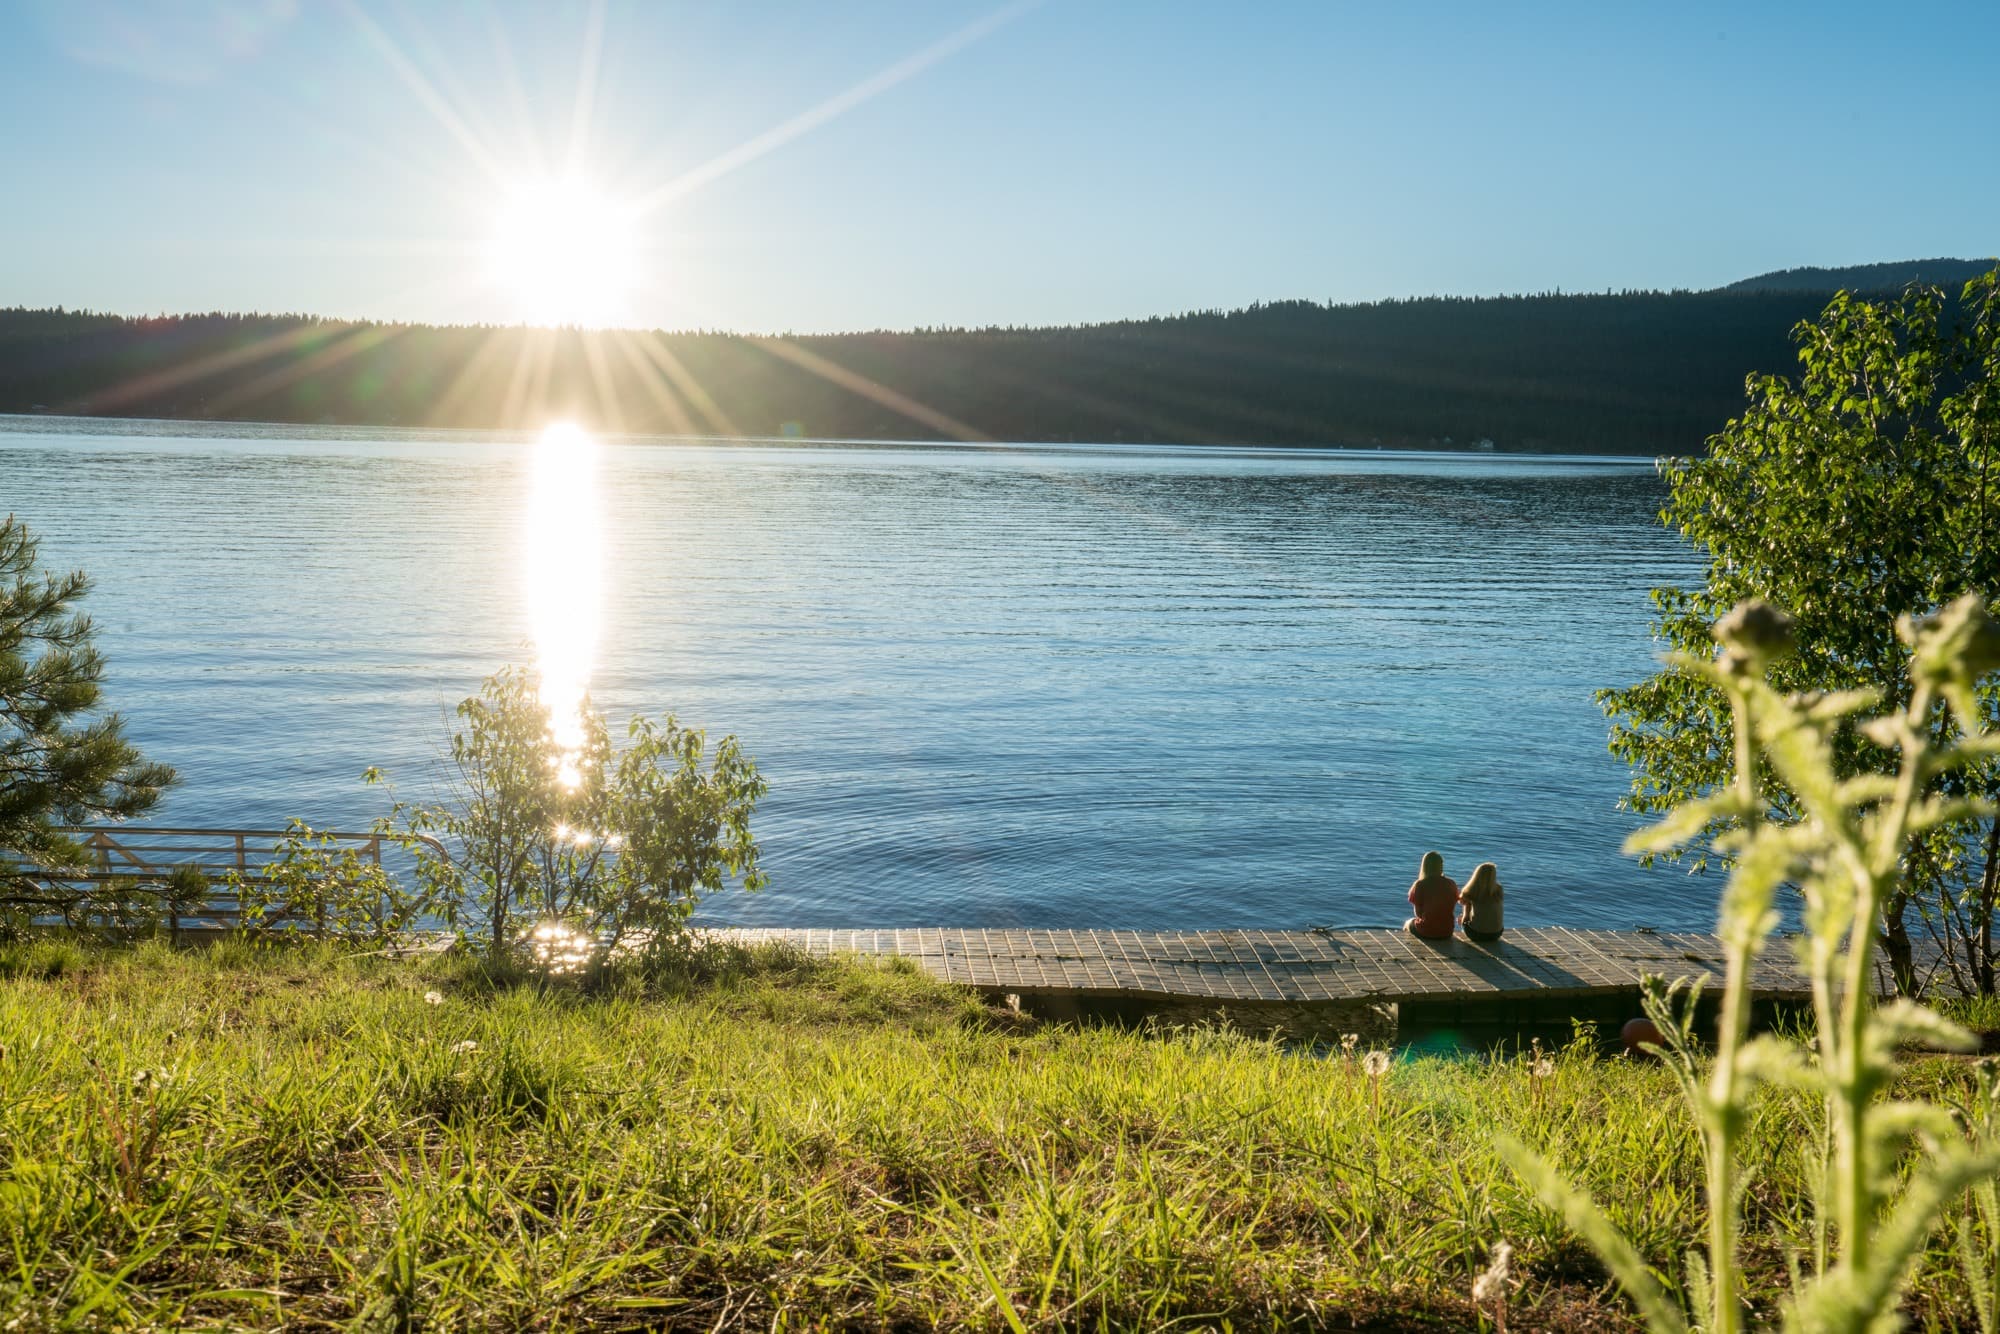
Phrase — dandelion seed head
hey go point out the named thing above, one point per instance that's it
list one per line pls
(1544, 1068)
(433, 998)
(1376, 1063)
(1491, 1285)
(462, 1048)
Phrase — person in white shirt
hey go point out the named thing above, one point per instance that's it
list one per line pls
(1481, 899)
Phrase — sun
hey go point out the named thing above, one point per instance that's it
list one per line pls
(565, 253)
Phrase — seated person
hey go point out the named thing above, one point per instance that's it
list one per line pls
(1433, 897)
(1482, 896)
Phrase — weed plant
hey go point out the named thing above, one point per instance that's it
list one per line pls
(1887, 1169)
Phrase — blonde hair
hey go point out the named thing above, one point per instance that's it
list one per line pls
(1485, 876)
(1431, 866)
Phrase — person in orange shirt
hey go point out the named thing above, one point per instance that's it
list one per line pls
(1434, 898)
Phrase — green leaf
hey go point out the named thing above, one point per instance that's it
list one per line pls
(1865, 1300)
(1660, 1312)
(1903, 1021)
(1684, 823)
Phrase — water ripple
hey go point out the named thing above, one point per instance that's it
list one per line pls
(1110, 687)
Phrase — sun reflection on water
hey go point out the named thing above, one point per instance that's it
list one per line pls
(557, 947)
(563, 557)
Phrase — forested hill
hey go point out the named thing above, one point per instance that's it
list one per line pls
(1950, 274)
(1637, 373)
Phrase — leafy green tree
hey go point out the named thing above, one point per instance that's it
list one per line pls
(498, 810)
(1868, 485)
(62, 760)
(316, 880)
(605, 841)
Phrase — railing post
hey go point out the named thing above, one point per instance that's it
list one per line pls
(102, 842)
(374, 852)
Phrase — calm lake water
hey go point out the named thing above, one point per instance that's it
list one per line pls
(1129, 687)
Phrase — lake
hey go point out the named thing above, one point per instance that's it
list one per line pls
(990, 686)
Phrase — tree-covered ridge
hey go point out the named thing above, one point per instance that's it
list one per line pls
(1631, 372)
(1890, 277)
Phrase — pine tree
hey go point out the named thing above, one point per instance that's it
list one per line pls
(62, 760)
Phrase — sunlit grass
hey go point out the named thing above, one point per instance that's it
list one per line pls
(260, 1138)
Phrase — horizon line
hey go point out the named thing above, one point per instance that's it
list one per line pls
(1250, 307)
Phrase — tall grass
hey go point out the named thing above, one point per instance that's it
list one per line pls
(251, 1137)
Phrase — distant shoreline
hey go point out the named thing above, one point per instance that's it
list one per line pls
(1629, 373)
(1635, 373)
(197, 428)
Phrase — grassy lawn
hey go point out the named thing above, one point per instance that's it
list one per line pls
(262, 1138)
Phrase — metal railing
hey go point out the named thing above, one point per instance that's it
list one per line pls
(142, 858)
(120, 851)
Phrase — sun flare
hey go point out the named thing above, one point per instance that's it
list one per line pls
(565, 252)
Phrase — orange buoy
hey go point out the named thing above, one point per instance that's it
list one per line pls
(1637, 1031)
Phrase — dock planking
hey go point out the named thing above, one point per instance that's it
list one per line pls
(1294, 966)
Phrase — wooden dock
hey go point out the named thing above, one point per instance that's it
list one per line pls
(1251, 968)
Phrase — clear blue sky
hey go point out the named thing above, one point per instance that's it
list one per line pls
(816, 166)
